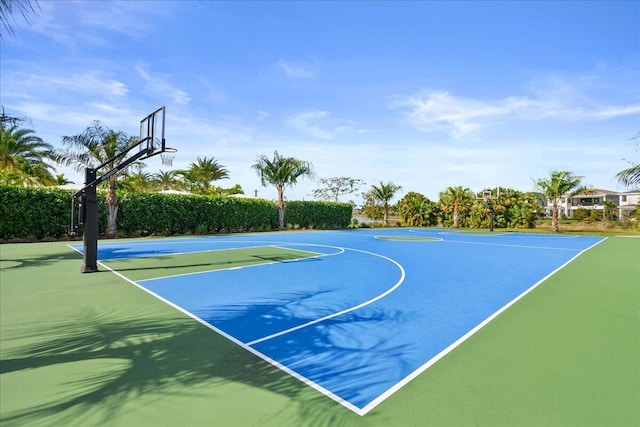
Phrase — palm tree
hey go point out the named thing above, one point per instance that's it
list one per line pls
(12, 7)
(560, 184)
(62, 180)
(383, 193)
(23, 155)
(456, 200)
(138, 182)
(166, 180)
(204, 172)
(522, 215)
(281, 172)
(415, 209)
(630, 176)
(96, 146)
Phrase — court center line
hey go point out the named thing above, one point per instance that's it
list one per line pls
(345, 311)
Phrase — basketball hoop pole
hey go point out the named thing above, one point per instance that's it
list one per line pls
(491, 212)
(90, 237)
(90, 203)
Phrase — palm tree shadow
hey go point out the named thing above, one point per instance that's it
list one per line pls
(158, 355)
(44, 260)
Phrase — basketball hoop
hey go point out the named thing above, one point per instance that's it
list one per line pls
(168, 155)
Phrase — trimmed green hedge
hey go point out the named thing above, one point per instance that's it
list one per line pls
(42, 213)
(149, 213)
(33, 213)
(322, 215)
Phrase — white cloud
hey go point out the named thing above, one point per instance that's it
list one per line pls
(434, 110)
(297, 70)
(263, 115)
(160, 84)
(318, 124)
(439, 110)
(302, 123)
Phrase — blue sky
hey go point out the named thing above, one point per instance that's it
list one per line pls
(424, 94)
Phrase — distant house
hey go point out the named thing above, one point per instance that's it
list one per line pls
(626, 202)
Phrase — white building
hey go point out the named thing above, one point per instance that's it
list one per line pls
(626, 202)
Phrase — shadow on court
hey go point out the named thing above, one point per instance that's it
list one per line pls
(153, 358)
(38, 261)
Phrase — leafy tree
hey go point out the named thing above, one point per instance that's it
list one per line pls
(511, 208)
(415, 209)
(521, 216)
(383, 193)
(23, 155)
(333, 188)
(370, 208)
(455, 201)
(608, 210)
(203, 173)
(560, 184)
(95, 146)
(281, 172)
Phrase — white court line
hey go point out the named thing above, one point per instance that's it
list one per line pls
(345, 311)
(466, 336)
(241, 267)
(463, 242)
(231, 338)
(257, 353)
(187, 252)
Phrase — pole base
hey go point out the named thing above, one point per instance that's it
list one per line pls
(89, 269)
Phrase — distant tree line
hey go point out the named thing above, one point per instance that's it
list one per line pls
(28, 161)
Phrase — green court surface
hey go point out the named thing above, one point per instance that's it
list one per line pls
(92, 349)
(174, 264)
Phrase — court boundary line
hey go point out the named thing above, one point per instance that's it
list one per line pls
(400, 384)
(519, 234)
(322, 390)
(506, 245)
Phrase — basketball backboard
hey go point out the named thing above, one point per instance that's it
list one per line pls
(152, 132)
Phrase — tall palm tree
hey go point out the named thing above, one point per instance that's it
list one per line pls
(560, 184)
(383, 193)
(456, 200)
(23, 155)
(204, 172)
(166, 180)
(95, 146)
(281, 172)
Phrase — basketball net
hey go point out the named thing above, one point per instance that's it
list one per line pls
(167, 156)
(167, 159)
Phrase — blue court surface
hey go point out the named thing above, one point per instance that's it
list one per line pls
(368, 310)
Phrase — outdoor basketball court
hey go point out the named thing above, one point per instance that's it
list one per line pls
(354, 314)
